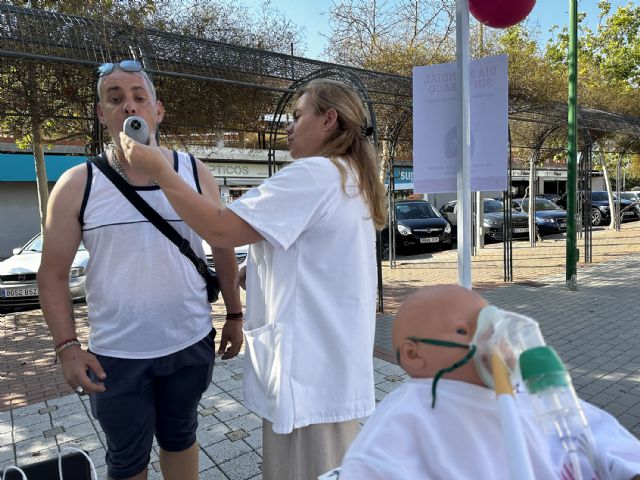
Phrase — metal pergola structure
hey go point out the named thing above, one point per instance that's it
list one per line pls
(595, 127)
(546, 122)
(47, 72)
(216, 86)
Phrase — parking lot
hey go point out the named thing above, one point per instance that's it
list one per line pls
(428, 267)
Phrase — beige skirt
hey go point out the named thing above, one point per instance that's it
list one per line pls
(307, 452)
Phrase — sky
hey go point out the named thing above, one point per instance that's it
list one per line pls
(313, 16)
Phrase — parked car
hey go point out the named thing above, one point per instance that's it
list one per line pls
(550, 218)
(634, 198)
(631, 196)
(554, 197)
(493, 219)
(600, 209)
(634, 206)
(241, 255)
(418, 223)
(18, 285)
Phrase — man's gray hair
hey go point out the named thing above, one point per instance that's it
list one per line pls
(142, 73)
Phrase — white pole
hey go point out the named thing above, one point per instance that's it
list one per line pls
(479, 222)
(464, 142)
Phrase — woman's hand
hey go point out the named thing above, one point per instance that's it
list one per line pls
(146, 159)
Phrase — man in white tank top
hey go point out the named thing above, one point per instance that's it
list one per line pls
(150, 351)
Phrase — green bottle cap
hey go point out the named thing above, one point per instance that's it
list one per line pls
(542, 368)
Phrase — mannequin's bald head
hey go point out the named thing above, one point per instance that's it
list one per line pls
(441, 312)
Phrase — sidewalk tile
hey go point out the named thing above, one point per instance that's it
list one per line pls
(226, 450)
(242, 467)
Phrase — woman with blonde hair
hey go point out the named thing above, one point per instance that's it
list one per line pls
(311, 278)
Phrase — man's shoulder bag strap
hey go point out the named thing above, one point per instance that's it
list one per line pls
(156, 219)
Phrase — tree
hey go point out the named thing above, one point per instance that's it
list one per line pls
(609, 72)
(368, 33)
(44, 102)
(608, 59)
(230, 22)
(616, 45)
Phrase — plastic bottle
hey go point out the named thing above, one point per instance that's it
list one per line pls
(556, 405)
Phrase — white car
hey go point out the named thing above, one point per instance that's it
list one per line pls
(241, 255)
(18, 285)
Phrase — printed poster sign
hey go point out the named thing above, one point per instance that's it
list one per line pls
(436, 121)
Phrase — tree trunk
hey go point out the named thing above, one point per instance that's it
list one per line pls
(383, 159)
(41, 172)
(533, 191)
(612, 206)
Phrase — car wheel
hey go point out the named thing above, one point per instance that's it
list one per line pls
(596, 217)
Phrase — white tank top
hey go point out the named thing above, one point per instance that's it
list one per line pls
(145, 299)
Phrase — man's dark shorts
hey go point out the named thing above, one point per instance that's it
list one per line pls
(152, 396)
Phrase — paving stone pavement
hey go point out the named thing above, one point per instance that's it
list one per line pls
(229, 435)
(595, 330)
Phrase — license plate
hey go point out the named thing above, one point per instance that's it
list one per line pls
(520, 230)
(429, 240)
(626, 214)
(19, 292)
(562, 224)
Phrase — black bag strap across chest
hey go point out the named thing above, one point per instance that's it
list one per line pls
(150, 214)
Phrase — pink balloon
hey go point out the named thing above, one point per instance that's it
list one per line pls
(500, 13)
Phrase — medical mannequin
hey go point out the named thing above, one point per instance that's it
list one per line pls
(445, 423)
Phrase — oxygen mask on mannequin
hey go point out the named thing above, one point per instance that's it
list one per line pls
(508, 334)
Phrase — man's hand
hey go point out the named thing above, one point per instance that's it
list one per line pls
(75, 364)
(242, 278)
(232, 335)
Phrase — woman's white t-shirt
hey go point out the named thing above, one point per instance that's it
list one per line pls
(311, 298)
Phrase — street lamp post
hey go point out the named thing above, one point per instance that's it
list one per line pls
(572, 161)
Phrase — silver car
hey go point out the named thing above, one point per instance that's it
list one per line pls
(18, 285)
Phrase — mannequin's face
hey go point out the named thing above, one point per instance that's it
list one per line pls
(444, 312)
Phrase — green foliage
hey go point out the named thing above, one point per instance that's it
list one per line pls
(616, 45)
(531, 77)
(634, 166)
(608, 59)
(400, 58)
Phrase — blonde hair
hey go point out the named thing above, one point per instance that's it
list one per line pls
(349, 141)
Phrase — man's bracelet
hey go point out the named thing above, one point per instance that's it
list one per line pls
(65, 341)
(61, 347)
(234, 316)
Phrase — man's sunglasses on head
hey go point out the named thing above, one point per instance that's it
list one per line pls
(125, 65)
